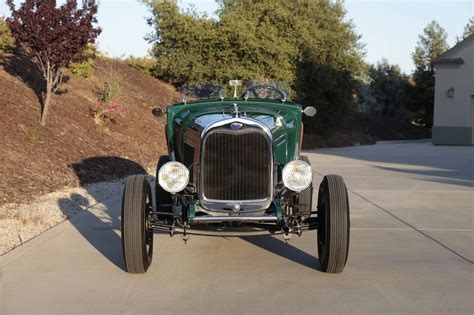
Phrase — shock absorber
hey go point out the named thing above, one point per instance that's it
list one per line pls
(286, 229)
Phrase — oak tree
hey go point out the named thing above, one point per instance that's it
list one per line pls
(307, 45)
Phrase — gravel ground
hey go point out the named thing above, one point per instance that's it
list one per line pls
(22, 222)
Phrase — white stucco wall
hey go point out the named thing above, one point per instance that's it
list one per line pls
(455, 111)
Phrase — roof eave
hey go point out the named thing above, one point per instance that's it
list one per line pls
(448, 61)
(448, 54)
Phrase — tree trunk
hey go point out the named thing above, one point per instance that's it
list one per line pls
(46, 101)
(48, 76)
(53, 76)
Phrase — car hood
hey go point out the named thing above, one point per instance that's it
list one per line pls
(282, 119)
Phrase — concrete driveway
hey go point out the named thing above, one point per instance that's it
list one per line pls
(412, 251)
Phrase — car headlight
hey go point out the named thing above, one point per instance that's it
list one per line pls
(173, 177)
(297, 175)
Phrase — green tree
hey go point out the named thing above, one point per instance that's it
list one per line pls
(257, 40)
(7, 42)
(184, 43)
(329, 63)
(385, 90)
(307, 45)
(468, 30)
(432, 43)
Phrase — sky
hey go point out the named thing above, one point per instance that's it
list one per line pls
(389, 28)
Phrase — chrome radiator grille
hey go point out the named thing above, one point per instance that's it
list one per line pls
(237, 165)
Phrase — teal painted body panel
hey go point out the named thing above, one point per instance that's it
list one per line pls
(187, 121)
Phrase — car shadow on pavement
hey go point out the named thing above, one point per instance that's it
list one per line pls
(285, 250)
(434, 163)
(100, 224)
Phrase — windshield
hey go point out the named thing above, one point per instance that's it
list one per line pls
(254, 89)
(197, 91)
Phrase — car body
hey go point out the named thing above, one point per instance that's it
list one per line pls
(193, 126)
(234, 167)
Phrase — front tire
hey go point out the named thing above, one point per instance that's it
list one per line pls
(137, 234)
(334, 220)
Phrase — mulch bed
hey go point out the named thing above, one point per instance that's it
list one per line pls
(72, 150)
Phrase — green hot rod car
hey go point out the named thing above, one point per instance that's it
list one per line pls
(234, 168)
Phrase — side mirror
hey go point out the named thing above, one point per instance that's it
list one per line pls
(310, 111)
(158, 112)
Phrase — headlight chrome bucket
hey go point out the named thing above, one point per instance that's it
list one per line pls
(297, 175)
(173, 177)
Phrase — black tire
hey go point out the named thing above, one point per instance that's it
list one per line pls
(334, 220)
(137, 235)
(162, 196)
(305, 198)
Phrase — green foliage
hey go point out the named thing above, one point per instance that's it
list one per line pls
(84, 69)
(184, 44)
(107, 94)
(329, 64)
(29, 133)
(307, 45)
(109, 90)
(385, 89)
(420, 97)
(431, 44)
(7, 42)
(143, 65)
(468, 30)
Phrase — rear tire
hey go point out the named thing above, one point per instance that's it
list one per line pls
(334, 220)
(137, 234)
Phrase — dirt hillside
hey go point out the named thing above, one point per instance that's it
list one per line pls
(72, 150)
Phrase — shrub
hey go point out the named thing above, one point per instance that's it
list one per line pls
(110, 88)
(106, 104)
(7, 42)
(102, 109)
(143, 65)
(30, 134)
(84, 68)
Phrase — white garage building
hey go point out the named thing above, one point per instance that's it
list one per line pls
(454, 95)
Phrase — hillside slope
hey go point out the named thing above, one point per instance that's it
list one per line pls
(72, 150)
